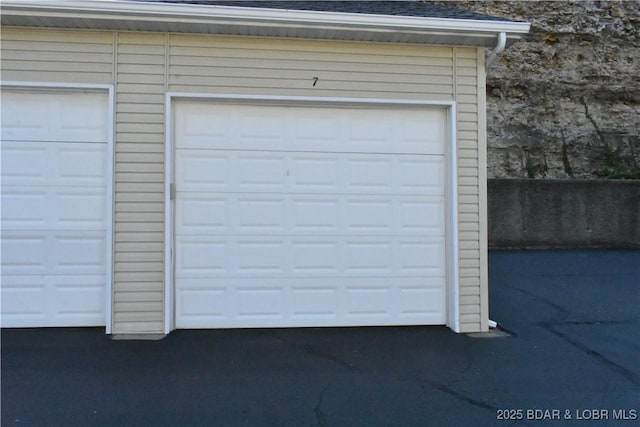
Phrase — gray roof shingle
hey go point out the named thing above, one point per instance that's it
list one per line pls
(399, 8)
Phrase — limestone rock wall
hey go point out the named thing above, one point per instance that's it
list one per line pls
(565, 102)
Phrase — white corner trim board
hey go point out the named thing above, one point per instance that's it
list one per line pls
(187, 262)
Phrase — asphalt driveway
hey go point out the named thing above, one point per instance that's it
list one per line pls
(572, 352)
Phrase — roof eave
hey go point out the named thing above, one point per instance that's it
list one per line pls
(122, 15)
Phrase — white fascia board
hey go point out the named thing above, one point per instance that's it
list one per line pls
(258, 17)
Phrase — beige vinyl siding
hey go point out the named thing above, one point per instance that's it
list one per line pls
(138, 292)
(57, 56)
(466, 92)
(143, 66)
(287, 67)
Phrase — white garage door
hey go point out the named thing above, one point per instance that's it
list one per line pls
(54, 227)
(309, 216)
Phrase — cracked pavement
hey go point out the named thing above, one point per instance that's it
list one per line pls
(574, 342)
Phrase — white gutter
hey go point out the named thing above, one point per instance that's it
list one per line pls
(224, 15)
(500, 45)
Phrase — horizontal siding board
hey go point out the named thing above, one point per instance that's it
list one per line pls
(138, 266)
(141, 68)
(195, 65)
(47, 48)
(140, 167)
(128, 98)
(467, 162)
(469, 272)
(370, 74)
(469, 262)
(468, 217)
(51, 35)
(58, 77)
(139, 216)
(468, 190)
(140, 127)
(306, 81)
(143, 50)
(47, 66)
(139, 297)
(139, 177)
(471, 290)
(137, 236)
(140, 88)
(125, 138)
(146, 322)
(149, 227)
(297, 46)
(469, 253)
(155, 277)
(139, 107)
(140, 59)
(469, 244)
(139, 257)
(145, 79)
(139, 197)
(465, 152)
(139, 157)
(139, 207)
(127, 247)
(312, 92)
(138, 307)
(69, 58)
(143, 118)
(468, 180)
(470, 300)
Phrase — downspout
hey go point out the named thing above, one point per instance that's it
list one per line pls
(500, 45)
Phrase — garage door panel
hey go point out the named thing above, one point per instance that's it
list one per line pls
(55, 117)
(80, 164)
(309, 216)
(80, 254)
(424, 215)
(23, 208)
(422, 257)
(54, 163)
(22, 252)
(204, 170)
(197, 257)
(233, 214)
(22, 304)
(316, 173)
(261, 172)
(72, 300)
(423, 175)
(311, 129)
(255, 255)
(24, 163)
(310, 302)
(53, 208)
(282, 256)
(315, 256)
(52, 253)
(260, 214)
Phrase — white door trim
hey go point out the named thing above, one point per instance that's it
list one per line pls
(453, 318)
(41, 86)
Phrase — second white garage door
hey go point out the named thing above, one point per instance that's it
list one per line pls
(299, 215)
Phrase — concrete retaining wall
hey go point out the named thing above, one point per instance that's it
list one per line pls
(564, 213)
